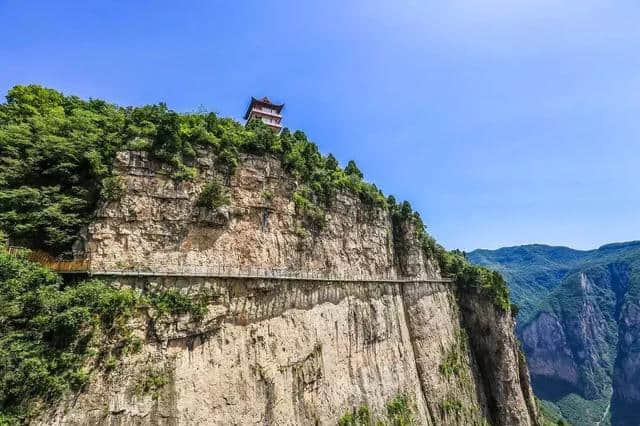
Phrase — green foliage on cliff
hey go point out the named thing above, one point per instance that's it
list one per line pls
(400, 411)
(551, 415)
(48, 332)
(403, 215)
(172, 302)
(57, 154)
(53, 334)
(477, 278)
(151, 382)
(112, 188)
(54, 150)
(320, 178)
(453, 362)
(213, 195)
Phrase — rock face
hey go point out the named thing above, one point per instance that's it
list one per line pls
(626, 378)
(157, 225)
(550, 356)
(290, 351)
(569, 350)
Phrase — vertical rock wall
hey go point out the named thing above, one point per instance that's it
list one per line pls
(296, 353)
(157, 224)
(289, 352)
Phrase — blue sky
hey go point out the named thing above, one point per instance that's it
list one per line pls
(503, 122)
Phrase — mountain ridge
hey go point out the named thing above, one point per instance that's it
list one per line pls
(578, 324)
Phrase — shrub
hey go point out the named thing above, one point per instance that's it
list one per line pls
(112, 188)
(314, 214)
(151, 382)
(267, 196)
(357, 417)
(453, 363)
(451, 406)
(399, 412)
(183, 172)
(213, 195)
(172, 302)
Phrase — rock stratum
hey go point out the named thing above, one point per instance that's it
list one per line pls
(296, 351)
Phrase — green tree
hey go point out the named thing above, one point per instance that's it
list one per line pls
(353, 170)
(331, 163)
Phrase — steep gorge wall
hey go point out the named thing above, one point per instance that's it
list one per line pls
(626, 377)
(290, 351)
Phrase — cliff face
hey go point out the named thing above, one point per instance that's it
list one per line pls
(626, 377)
(156, 225)
(574, 349)
(290, 351)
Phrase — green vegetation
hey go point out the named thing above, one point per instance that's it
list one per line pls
(213, 195)
(53, 335)
(581, 411)
(402, 215)
(467, 276)
(551, 415)
(172, 302)
(358, 417)
(453, 364)
(451, 406)
(57, 154)
(320, 179)
(112, 188)
(151, 382)
(400, 411)
(49, 332)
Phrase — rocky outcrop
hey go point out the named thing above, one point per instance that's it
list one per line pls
(290, 351)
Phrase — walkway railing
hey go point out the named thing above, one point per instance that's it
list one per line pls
(214, 271)
(231, 271)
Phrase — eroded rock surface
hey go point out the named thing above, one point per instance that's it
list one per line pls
(290, 352)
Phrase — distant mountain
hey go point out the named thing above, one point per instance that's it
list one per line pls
(579, 324)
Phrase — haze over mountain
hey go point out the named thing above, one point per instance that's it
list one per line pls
(579, 324)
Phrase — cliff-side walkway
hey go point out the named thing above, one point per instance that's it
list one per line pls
(84, 266)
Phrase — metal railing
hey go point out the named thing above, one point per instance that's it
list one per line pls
(250, 272)
(219, 271)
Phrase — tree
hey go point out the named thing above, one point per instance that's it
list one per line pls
(353, 170)
(331, 163)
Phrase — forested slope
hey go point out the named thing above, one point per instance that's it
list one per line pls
(578, 324)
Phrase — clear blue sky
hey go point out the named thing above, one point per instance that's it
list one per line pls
(502, 121)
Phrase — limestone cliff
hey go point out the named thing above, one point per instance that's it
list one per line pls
(295, 350)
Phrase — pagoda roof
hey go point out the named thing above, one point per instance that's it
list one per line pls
(264, 101)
